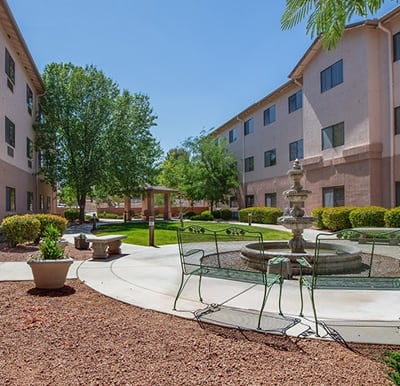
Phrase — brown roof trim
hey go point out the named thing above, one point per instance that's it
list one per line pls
(255, 106)
(17, 41)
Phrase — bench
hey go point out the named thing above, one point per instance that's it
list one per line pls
(216, 254)
(363, 280)
(104, 246)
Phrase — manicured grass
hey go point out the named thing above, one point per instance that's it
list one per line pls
(165, 231)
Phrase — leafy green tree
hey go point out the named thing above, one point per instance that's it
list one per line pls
(133, 151)
(327, 17)
(213, 170)
(74, 128)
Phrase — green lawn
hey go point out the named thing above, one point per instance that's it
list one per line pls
(165, 231)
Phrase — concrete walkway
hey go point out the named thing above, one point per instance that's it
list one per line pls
(149, 277)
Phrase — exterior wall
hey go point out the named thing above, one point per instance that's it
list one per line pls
(367, 165)
(18, 171)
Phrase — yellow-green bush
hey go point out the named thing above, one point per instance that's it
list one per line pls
(20, 229)
(392, 218)
(60, 223)
(203, 216)
(337, 218)
(368, 216)
(260, 214)
(317, 213)
(71, 214)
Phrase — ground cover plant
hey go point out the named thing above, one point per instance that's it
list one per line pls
(165, 231)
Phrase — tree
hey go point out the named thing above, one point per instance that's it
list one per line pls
(327, 18)
(74, 129)
(213, 170)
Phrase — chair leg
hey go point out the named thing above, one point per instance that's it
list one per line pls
(301, 297)
(314, 311)
(267, 290)
(200, 297)
(181, 287)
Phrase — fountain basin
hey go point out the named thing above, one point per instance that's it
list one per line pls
(334, 258)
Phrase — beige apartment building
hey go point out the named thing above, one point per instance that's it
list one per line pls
(339, 114)
(21, 190)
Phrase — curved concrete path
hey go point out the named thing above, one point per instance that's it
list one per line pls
(149, 277)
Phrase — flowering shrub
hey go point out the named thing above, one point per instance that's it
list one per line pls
(337, 218)
(60, 223)
(20, 229)
(260, 214)
(392, 218)
(368, 216)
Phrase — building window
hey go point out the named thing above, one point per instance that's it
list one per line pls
(333, 196)
(232, 135)
(332, 76)
(270, 200)
(333, 136)
(269, 115)
(397, 193)
(29, 148)
(41, 202)
(396, 47)
(249, 200)
(233, 203)
(29, 99)
(48, 203)
(29, 201)
(10, 132)
(295, 101)
(249, 164)
(296, 150)
(248, 126)
(397, 120)
(270, 158)
(10, 67)
(10, 199)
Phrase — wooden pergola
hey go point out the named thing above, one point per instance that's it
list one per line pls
(148, 201)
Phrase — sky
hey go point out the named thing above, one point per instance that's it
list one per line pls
(201, 62)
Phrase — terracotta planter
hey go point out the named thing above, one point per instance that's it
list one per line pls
(50, 274)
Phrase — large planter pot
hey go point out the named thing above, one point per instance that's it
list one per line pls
(50, 274)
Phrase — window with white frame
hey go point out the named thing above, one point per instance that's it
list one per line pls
(269, 115)
(296, 150)
(333, 136)
(29, 201)
(270, 158)
(333, 196)
(332, 76)
(248, 126)
(249, 200)
(10, 68)
(295, 101)
(232, 135)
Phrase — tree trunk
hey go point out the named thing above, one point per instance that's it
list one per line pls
(82, 204)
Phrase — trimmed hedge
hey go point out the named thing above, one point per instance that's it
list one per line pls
(20, 229)
(337, 218)
(317, 213)
(260, 214)
(223, 214)
(71, 214)
(392, 218)
(368, 216)
(58, 222)
(204, 216)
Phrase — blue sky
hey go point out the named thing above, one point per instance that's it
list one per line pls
(200, 62)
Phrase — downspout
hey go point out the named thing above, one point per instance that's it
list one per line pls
(391, 117)
(243, 165)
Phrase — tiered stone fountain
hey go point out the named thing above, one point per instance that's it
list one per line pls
(334, 257)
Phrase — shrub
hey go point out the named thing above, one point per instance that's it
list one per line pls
(368, 216)
(216, 213)
(20, 229)
(189, 215)
(71, 214)
(60, 223)
(392, 359)
(317, 213)
(204, 216)
(107, 215)
(226, 214)
(260, 214)
(392, 218)
(337, 218)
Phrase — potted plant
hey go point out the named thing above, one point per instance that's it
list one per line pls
(81, 241)
(50, 267)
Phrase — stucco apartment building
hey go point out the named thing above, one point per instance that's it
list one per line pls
(339, 113)
(20, 86)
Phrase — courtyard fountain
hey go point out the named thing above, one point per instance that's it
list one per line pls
(335, 257)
